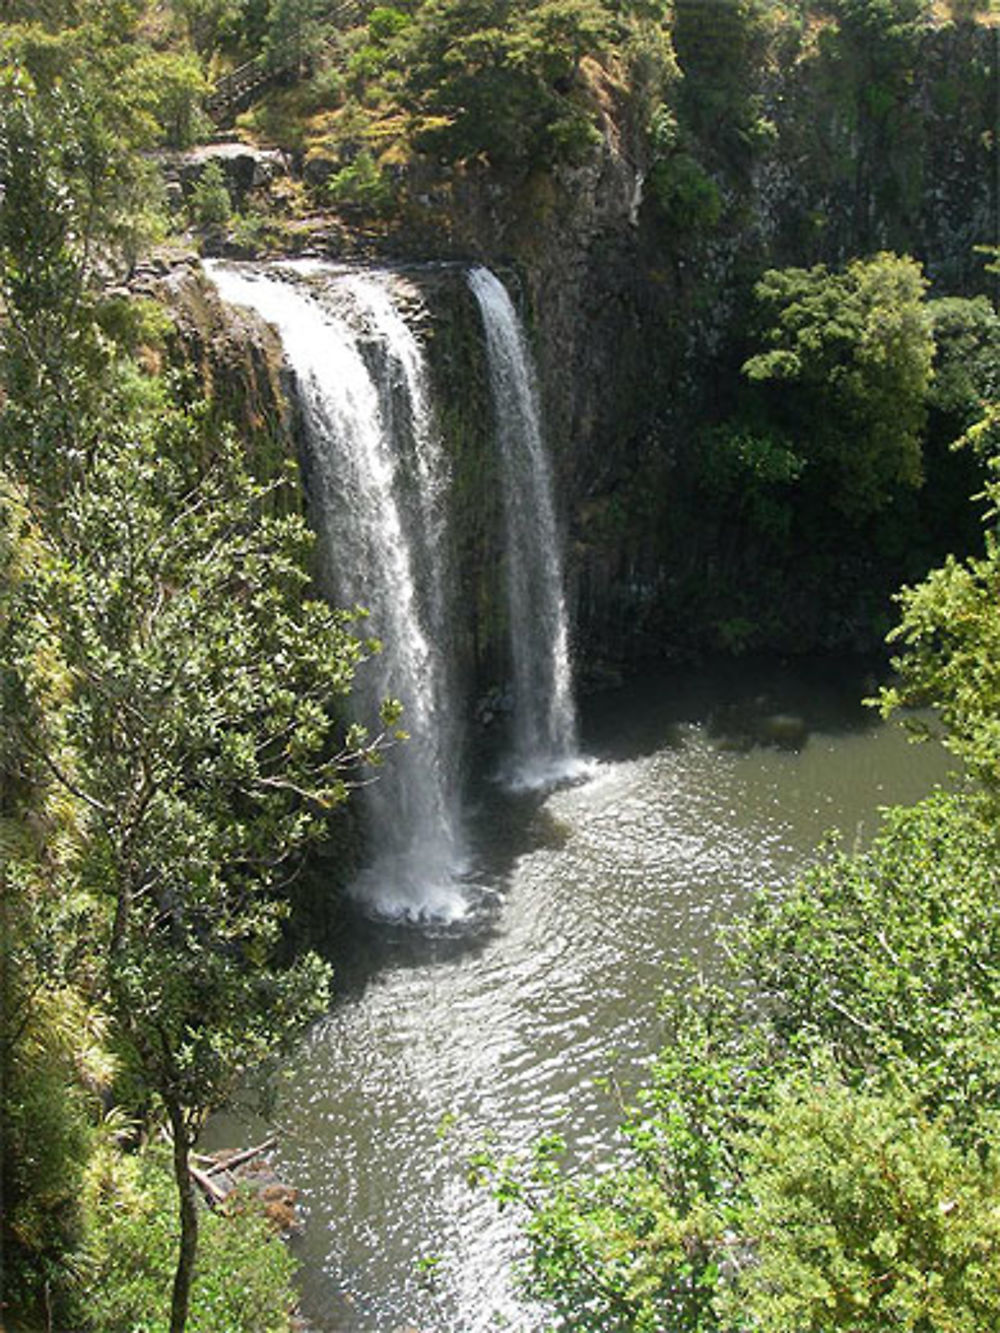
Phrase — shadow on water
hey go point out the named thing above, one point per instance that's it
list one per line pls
(503, 826)
(583, 899)
(740, 704)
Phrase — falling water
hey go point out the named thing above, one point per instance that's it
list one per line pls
(408, 420)
(544, 724)
(377, 478)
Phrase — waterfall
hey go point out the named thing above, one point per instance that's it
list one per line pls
(377, 480)
(544, 721)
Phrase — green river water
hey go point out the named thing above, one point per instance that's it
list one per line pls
(705, 784)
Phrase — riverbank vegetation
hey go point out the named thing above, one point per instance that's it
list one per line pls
(173, 740)
(816, 1148)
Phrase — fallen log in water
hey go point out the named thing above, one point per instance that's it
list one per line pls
(224, 1162)
(218, 1175)
(216, 1193)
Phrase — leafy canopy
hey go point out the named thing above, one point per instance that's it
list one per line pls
(814, 1148)
(950, 641)
(164, 667)
(847, 358)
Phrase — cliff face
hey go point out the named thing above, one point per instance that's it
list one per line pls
(638, 282)
(634, 268)
(237, 360)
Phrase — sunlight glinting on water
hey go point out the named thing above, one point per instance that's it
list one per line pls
(699, 790)
(513, 1024)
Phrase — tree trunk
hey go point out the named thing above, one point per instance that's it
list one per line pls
(188, 1216)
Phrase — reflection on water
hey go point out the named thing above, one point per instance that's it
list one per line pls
(704, 787)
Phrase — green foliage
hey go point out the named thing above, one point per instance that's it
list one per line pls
(76, 202)
(134, 322)
(244, 1274)
(815, 1147)
(384, 23)
(522, 84)
(199, 725)
(753, 471)
(950, 640)
(852, 355)
(688, 197)
(196, 729)
(862, 126)
(44, 274)
(888, 30)
(948, 633)
(82, 99)
(293, 34)
(254, 231)
(173, 87)
(43, 1117)
(361, 184)
(502, 79)
(888, 957)
(496, 78)
(209, 23)
(721, 49)
(69, 208)
(786, 481)
(966, 358)
(50, 1059)
(164, 674)
(210, 205)
(865, 1216)
(744, 455)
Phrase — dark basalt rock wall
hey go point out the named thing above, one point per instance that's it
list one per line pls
(639, 320)
(638, 315)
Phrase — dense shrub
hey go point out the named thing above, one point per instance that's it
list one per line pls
(244, 1272)
(815, 1149)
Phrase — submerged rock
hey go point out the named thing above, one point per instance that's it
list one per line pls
(786, 730)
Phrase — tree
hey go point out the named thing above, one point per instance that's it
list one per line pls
(50, 1059)
(864, 1215)
(847, 360)
(209, 22)
(498, 78)
(74, 205)
(293, 35)
(966, 359)
(721, 49)
(197, 733)
(86, 89)
(164, 670)
(210, 204)
(815, 1146)
(949, 636)
(44, 272)
(172, 86)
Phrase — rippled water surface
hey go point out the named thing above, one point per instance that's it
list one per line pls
(704, 786)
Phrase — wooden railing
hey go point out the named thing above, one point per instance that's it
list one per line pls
(235, 91)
